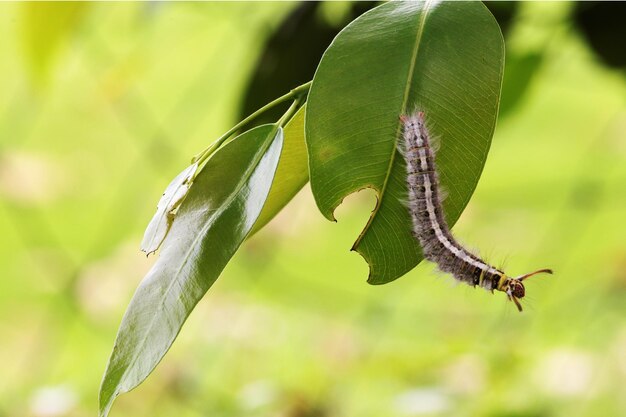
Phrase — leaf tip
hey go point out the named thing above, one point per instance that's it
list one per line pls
(330, 213)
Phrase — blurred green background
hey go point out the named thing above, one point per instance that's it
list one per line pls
(102, 104)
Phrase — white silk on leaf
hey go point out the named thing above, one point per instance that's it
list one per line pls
(162, 220)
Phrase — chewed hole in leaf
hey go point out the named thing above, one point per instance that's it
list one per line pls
(445, 58)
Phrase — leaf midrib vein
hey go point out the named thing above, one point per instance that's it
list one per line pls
(407, 89)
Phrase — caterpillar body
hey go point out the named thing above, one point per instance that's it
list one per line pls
(429, 225)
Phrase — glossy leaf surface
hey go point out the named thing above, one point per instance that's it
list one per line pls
(222, 206)
(443, 58)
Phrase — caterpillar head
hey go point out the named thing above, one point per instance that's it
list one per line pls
(514, 287)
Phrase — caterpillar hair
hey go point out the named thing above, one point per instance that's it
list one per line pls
(430, 227)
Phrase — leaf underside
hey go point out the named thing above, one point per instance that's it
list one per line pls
(218, 213)
(291, 174)
(445, 59)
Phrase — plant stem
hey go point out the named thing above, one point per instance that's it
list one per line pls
(289, 113)
(296, 93)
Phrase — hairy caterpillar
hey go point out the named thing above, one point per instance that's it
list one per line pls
(429, 225)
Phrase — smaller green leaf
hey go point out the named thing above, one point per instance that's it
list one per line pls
(162, 221)
(217, 215)
(292, 172)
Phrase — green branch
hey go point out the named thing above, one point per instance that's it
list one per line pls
(296, 94)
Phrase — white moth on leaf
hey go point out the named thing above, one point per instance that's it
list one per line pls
(429, 225)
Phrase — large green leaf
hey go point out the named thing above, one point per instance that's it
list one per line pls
(291, 174)
(443, 58)
(216, 216)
